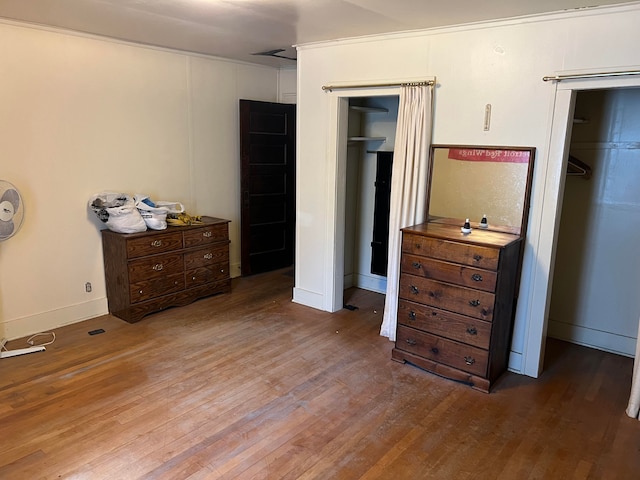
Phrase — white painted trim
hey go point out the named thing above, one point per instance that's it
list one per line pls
(336, 192)
(25, 326)
(590, 337)
(515, 362)
(373, 283)
(308, 299)
(336, 162)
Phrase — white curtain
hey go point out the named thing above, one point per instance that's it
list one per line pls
(634, 401)
(408, 186)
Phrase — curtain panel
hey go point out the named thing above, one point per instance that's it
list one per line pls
(409, 179)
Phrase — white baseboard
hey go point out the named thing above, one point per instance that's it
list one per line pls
(26, 326)
(307, 298)
(372, 283)
(515, 362)
(588, 337)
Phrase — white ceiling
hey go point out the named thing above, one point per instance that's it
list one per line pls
(237, 28)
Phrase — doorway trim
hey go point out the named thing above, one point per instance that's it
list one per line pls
(337, 185)
(552, 190)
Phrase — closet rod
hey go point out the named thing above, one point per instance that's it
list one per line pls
(559, 78)
(375, 85)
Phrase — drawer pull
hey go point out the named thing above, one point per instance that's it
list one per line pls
(435, 350)
(208, 256)
(156, 243)
(472, 331)
(222, 270)
(416, 265)
(474, 303)
(207, 234)
(193, 278)
(418, 246)
(477, 257)
(476, 277)
(157, 267)
(412, 315)
(411, 341)
(469, 360)
(414, 290)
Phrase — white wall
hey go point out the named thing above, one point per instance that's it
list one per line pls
(597, 271)
(498, 63)
(79, 115)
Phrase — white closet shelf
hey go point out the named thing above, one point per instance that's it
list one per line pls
(359, 108)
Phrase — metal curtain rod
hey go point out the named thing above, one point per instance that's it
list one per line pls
(559, 78)
(374, 85)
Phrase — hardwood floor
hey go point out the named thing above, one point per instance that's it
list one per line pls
(250, 385)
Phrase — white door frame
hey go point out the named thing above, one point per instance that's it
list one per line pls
(544, 234)
(337, 188)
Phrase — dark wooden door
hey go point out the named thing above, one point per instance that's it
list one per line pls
(267, 151)
(381, 205)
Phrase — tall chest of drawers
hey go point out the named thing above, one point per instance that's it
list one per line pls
(456, 302)
(153, 270)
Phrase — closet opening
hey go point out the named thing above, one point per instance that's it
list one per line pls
(594, 296)
(370, 136)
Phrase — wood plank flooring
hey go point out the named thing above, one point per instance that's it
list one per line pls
(249, 385)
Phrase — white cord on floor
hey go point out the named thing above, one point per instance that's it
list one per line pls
(53, 338)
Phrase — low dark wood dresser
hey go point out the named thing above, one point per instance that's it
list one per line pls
(149, 271)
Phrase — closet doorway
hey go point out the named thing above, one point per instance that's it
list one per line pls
(594, 299)
(546, 215)
(360, 132)
(370, 140)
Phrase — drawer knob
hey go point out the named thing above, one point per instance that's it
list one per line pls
(193, 278)
(418, 246)
(477, 257)
(412, 315)
(157, 267)
(140, 292)
(472, 331)
(474, 303)
(435, 350)
(414, 290)
(208, 256)
(476, 277)
(222, 270)
(416, 265)
(206, 234)
(411, 341)
(469, 360)
(156, 243)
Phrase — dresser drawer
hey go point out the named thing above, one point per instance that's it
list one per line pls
(156, 287)
(155, 266)
(445, 324)
(449, 272)
(203, 275)
(206, 256)
(149, 245)
(467, 301)
(206, 234)
(463, 357)
(465, 253)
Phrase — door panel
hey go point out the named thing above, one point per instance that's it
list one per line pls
(267, 150)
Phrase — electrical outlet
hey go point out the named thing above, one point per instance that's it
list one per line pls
(87, 287)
